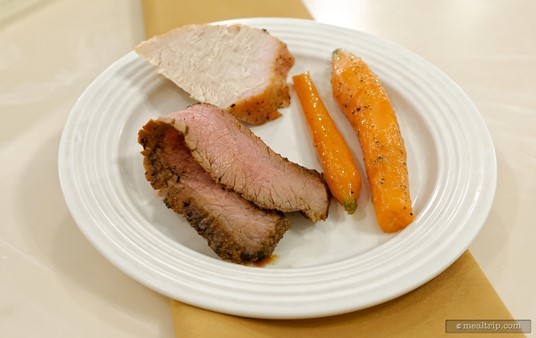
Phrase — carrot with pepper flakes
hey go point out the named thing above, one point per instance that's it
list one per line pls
(362, 98)
(340, 170)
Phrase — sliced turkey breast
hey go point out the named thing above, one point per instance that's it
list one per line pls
(237, 68)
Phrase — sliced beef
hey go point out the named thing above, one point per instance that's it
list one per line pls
(236, 229)
(236, 67)
(242, 162)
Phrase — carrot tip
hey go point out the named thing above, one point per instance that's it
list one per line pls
(350, 206)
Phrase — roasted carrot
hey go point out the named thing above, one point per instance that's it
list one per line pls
(340, 170)
(364, 101)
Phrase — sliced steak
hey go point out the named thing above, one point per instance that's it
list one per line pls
(236, 229)
(241, 161)
(236, 67)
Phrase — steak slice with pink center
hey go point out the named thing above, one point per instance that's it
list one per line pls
(242, 162)
(236, 229)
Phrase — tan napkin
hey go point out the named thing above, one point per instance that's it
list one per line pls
(163, 15)
(461, 292)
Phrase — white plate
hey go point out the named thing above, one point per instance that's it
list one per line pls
(343, 264)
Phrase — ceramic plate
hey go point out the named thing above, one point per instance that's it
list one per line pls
(340, 265)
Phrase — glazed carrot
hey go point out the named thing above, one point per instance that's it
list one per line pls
(340, 170)
(362, 98)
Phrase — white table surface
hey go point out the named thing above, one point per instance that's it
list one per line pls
(53, 283)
